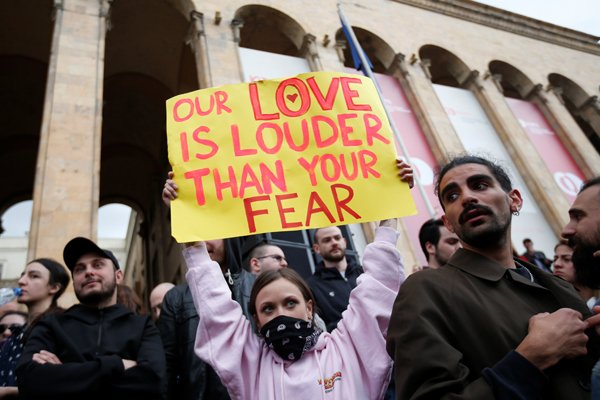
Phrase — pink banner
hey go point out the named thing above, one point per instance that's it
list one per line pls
(419, 152)
(565, 171)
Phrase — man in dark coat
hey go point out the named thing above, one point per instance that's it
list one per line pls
(487, 325)
(97, 349)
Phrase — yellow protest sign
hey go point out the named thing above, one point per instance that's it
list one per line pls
(304, 152)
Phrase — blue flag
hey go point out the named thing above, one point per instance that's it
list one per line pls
(354, 48)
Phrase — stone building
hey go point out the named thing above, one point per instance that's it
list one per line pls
(83, 85)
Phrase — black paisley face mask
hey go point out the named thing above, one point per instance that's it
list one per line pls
(290, 337)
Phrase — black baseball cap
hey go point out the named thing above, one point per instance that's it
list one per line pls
(79, 246)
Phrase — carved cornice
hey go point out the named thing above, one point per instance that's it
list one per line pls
(505, 20)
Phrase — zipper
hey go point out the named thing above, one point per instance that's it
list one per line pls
(100, 331)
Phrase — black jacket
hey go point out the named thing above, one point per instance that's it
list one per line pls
(332, 291)
(91, 344)
(188, 377)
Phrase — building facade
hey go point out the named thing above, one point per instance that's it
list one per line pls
(83, 85)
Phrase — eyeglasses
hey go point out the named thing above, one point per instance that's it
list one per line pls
(12, 327)
(275, 257)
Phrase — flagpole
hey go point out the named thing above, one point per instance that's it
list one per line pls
(367, 71)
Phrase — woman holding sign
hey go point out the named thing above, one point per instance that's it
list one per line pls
(291, 358)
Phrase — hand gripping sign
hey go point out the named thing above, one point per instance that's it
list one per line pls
(304, 152)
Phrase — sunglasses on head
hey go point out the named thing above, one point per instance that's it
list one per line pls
(12, 327)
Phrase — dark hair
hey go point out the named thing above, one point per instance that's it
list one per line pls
(430, 232)
(256, 251)
(267, 277)
(315, 239)
(58, 275)
(592, 182)
(526, 240)
(14, 312)
(128, 298)
(259, 250)
(587, 267)
(497, 171)
(563, 243)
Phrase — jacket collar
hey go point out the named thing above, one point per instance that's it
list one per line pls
(485, 268)
(477, 265)
(332, 273)
(91, 314)
(482, 267)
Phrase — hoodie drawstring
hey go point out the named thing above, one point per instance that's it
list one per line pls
(281, 381)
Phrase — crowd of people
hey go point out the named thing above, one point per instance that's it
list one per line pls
(478, 322)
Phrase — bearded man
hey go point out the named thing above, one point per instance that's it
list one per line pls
(334, 276)
(97, 349)
(583, 233)
(437, 242)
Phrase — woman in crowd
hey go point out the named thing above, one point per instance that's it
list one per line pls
(291, 358)
(563, 267)
(42, 282)
(9, 322)
(127, 297)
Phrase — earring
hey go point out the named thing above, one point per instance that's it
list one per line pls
(516, 213)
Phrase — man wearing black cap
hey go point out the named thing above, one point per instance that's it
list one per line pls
(97, 349)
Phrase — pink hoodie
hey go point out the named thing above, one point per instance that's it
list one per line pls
(351, 363)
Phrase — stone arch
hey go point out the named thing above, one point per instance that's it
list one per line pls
(514, 83)
(115, 224)
(23, 71)
(443, 67)
(138, 176)
(14, 231)
(16, 205)
(585, 109)
(379, 52)
(24, 59)
(268, 29)
(148, 60)
(150, 37)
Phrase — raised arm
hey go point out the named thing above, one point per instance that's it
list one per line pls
(170, 189)
(360, 335)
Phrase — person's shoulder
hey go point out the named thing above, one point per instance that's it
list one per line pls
(438, 278)
(176, 294)
(312, 279)
(126, 317)
(318, 274)
(353, 267)
(246, 278)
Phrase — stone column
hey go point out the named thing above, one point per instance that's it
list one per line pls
(66, 187)
(568, 131)
(590, 111)
(415, 79)
(540, 182)
(309, 51)
(198, 43)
